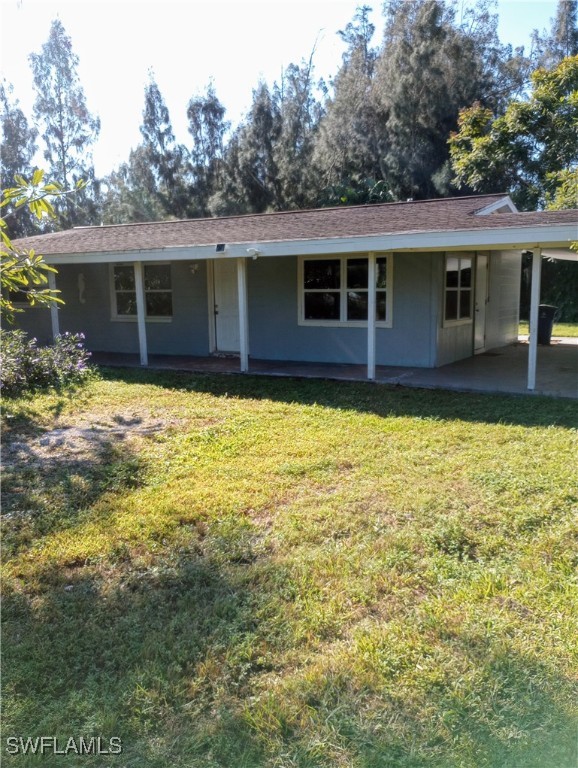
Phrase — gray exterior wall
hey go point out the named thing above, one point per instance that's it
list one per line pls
(275, 333)
(186, 334)
(35, 321)
(416, 338)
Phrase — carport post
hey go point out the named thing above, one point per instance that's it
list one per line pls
(243, 318)
(54, 319)
(371, 312)
(534, 304)
(141, 312)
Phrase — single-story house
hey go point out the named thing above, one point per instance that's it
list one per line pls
(420, 283)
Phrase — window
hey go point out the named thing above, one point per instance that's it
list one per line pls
(458, 289)
(335, 291)
(157, 290)
(18, 298)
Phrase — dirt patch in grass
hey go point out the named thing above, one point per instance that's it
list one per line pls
(79, 442)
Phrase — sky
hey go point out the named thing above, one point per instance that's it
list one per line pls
(189, 43)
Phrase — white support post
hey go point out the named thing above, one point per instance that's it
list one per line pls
(371, 313)
(54, 319)
(243, 313)
(534, 304)
(141, 312)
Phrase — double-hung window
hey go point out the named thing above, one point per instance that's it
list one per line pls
(157, 291)
(458, 289)
(335, 290)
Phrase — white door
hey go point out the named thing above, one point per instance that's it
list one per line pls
(481, 299)
(226, 306)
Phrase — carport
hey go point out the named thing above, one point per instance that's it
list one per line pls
(563, 254)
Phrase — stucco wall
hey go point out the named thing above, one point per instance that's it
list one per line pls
(274, 331)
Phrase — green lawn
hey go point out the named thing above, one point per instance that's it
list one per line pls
(559, 329)
(243, 572)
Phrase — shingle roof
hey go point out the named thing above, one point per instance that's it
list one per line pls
(441, 215)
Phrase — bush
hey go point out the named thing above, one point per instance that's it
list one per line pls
(26, 367)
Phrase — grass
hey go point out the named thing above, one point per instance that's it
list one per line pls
(294, 573)
(559, 329)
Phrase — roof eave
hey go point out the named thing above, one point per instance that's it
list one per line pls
(516, 238)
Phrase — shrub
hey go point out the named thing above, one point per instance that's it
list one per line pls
(26, 366)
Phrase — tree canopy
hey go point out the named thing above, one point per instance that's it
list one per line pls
(68, 128)
(531, 150)
(427, 102)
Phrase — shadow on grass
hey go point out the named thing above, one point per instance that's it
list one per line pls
(166, 657)
(123, 660)
(379, 399)
(51, 480)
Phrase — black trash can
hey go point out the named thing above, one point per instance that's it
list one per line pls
(546, 315)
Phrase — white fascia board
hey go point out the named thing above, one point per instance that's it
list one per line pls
(515, 238)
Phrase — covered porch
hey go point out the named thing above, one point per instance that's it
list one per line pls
(503, 370)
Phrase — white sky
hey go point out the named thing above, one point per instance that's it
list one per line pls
(188, 43)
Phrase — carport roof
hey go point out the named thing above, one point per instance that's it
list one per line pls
(480, 212)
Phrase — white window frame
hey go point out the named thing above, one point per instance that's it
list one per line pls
(460, 320)
(343, 290)
(115, 317)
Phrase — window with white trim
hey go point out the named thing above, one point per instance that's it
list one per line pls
(335, 290)
(157, 291)
(458, 289)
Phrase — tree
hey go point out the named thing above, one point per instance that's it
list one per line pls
(167, 161)
(299, 110)
(130, 192)
(550, 48)
(24, 273)
(346, 149)
(207, 126)
(250, 178)
(67, 127)
(432, 65)
(17, 148)
(531, 150)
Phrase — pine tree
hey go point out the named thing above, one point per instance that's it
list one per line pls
(68, 129)
(346, 151)
(207, 126)
(299, 110)
(431, 65)
(167, 161)
(130, 193)
(562, 40)
(17, 149)
(250, 180)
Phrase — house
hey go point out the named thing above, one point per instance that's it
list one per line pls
(296, 286)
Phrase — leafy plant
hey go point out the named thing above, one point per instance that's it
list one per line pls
(24, 273)
(25, 366)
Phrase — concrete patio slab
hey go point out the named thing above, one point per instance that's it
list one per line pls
(502, 370)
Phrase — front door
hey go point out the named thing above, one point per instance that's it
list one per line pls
(226, 306)
(481, 298)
